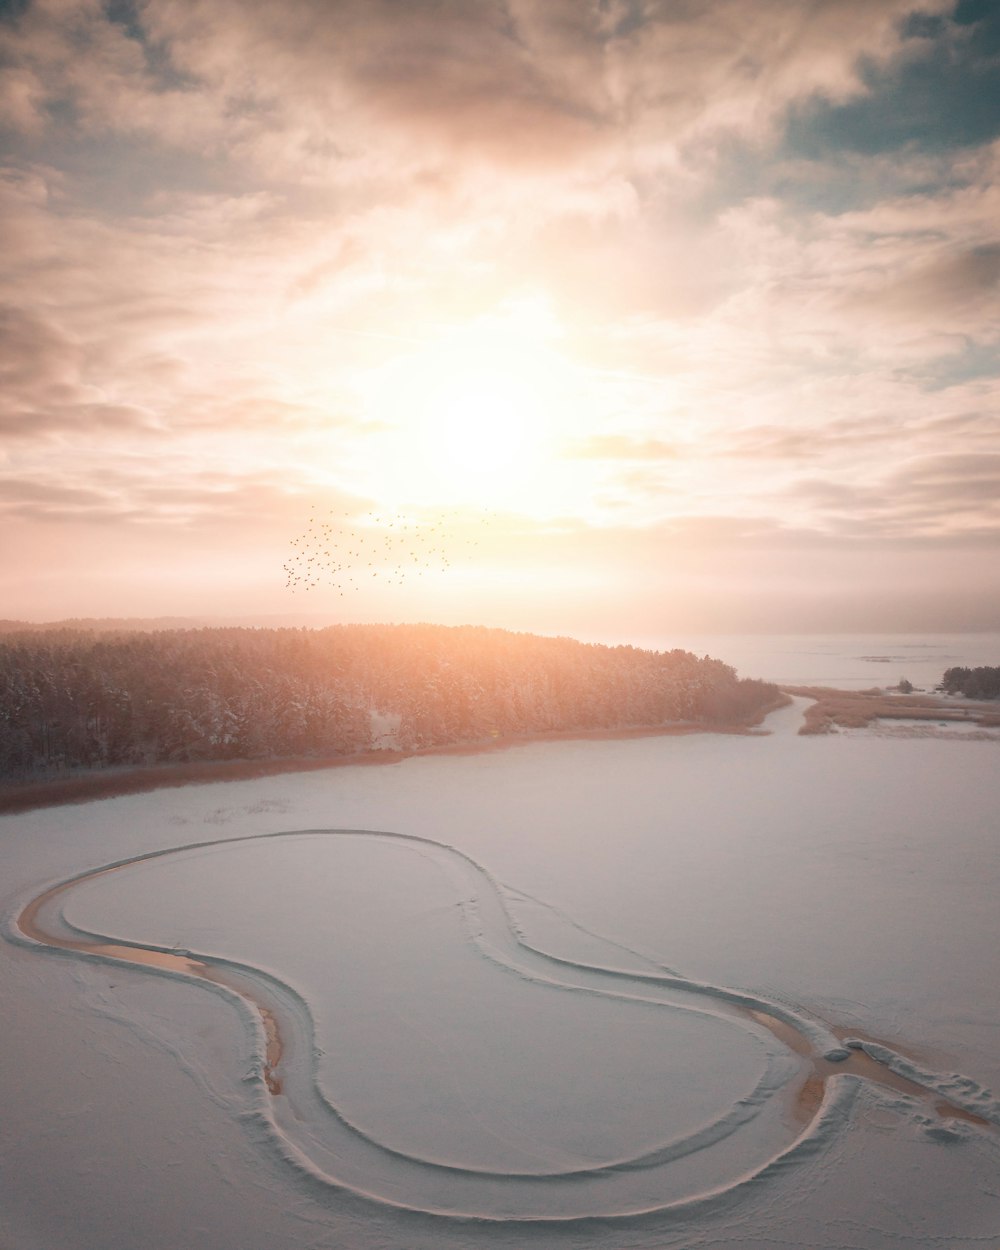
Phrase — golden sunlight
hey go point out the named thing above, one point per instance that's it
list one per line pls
(480, 424)
(475, 416)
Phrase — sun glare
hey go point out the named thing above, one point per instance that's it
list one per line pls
(473, 417)
(480, 423)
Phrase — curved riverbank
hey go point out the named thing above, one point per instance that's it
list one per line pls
(88, 787)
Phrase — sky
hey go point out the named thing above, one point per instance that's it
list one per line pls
(601, 317)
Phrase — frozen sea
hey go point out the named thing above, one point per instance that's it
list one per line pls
(511, 988)
(845, 661)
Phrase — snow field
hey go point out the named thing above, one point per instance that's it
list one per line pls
(849, 880)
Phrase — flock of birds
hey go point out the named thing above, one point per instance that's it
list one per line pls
(391, 548)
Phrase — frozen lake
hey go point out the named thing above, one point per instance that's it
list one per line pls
(513, 990)
(846, 661)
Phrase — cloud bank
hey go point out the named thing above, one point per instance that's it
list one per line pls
(759, 245)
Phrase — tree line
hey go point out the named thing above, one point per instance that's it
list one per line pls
(974, 683)
(77, 699)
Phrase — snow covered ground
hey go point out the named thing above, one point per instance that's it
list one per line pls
(923, 727)
(513, 1010)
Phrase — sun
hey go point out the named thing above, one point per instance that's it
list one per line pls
(479, 422)
(474, 417)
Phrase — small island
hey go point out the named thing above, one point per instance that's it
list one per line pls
(964, 696)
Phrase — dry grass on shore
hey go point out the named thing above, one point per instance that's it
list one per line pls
(857, 709)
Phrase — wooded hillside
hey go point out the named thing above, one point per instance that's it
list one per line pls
(80, 699)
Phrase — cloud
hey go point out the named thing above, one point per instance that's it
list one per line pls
(357, 84)
(941, 496)
(169, 495)
(851, 438)
(776, 442)
(959, 284)
(621, 447)
(43, 388)
(973, 362)
(49, 501)
(223, 219)
(34, 353)
(957, 480)
(973, 428)
(949, 57)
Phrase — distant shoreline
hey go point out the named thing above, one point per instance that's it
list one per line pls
(88, 787)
